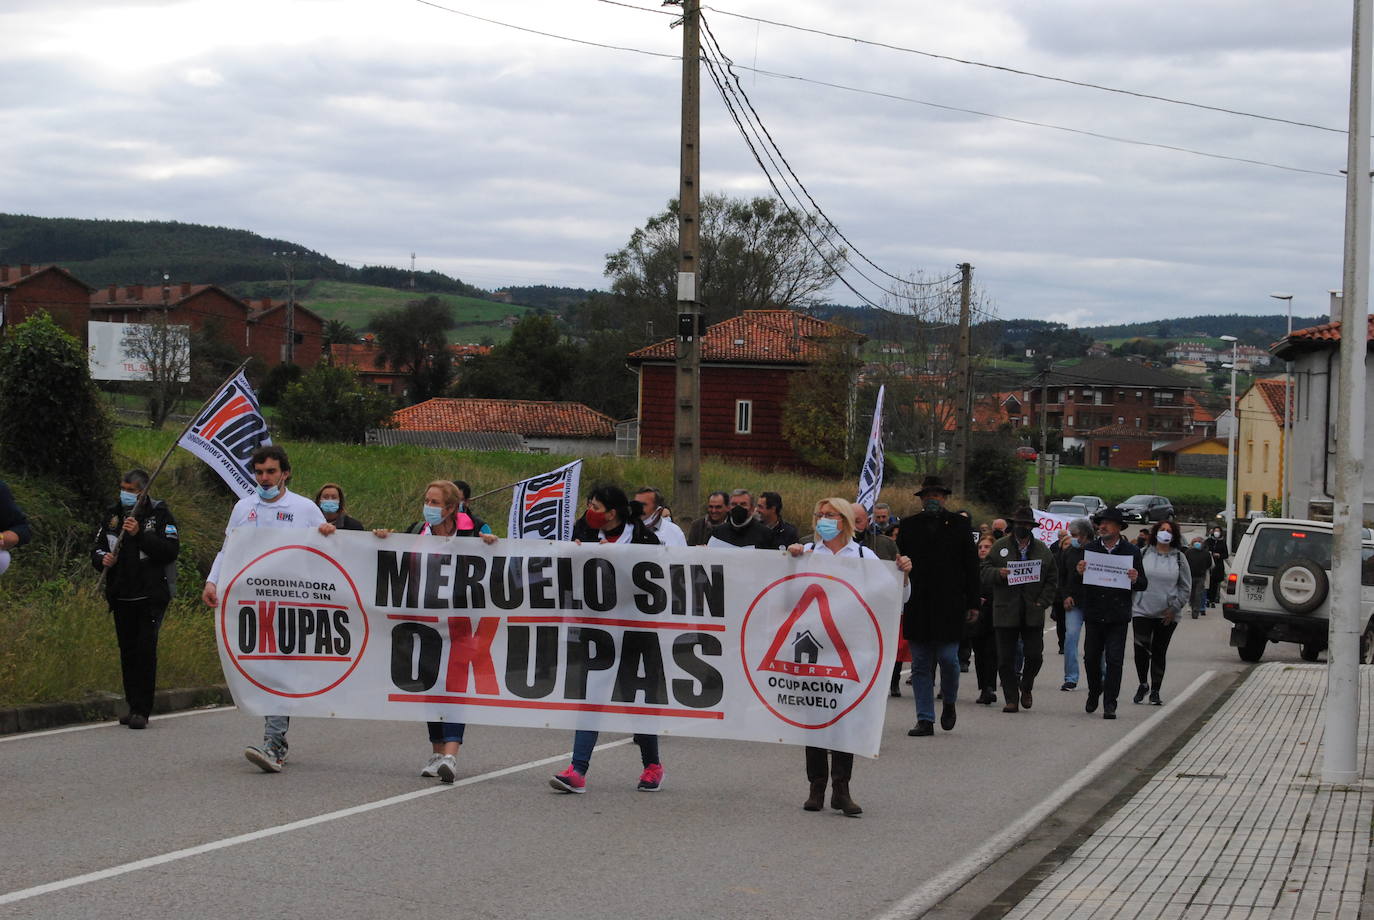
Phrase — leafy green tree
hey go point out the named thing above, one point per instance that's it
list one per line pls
(330, 403)
(338, 332)
(51, 420)
(535, 364)
(816, 417)
(274, 385)
(996, 476)
(414, 341)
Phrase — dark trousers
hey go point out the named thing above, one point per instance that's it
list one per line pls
(1032, 640)
(137, 624)
(965, 653)
(985, 661)
(822, 763)
(1151, 647)
(1214, 580)
(1104, 639)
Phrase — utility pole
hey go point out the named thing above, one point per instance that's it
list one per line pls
(687, 412)
(962, 384)
(1340, 740)
(290, 352)
(1040, 460)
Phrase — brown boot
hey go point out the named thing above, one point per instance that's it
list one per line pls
(817, 766)
(841, 768)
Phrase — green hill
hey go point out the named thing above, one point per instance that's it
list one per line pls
(355, 304)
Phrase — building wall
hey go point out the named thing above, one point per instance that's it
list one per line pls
(1259, 464)
(1317, 380)
(267, 338)
(571, 447)
(1127, 454)
(68, 301)
(1075, 409)
(1210, 465)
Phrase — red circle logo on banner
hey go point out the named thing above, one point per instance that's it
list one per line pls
(290, 634)
(812, 648)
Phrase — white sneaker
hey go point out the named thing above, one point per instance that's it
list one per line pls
(447, 768)
(431, 769)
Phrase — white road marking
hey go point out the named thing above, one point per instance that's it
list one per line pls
(20, 736)
(956, 876)
(152, 861)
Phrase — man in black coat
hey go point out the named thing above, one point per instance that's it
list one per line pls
(740, 528)
(944, 596)
(135, 548)
(1106, 612)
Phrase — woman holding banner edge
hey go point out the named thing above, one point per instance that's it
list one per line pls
(834, 535)
(610, 517)
(443, 518)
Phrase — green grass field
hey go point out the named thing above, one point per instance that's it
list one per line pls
(356, 304)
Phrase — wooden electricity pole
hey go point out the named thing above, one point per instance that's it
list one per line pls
(687, 414)
(962, 385)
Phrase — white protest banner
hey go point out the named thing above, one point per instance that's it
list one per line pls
(1106, 570)
(666, 640)
(1049, 526)
(871, 476)
(1023, 573)
(545, 507)
(227, 431)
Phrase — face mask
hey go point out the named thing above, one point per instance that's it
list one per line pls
(268, 494)
(595, 519)
(127, 499)
(651, 521)
(740, 516)
(1164, 536)
(463, 521)
(1197, 544)
(827, 529)
(1075, 543)
(432, 515)
(1021, 533)
(329, 506)
(931, 505)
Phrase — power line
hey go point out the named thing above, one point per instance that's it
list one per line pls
(1014, 70)
(566, 38)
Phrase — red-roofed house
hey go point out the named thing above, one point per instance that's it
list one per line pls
(747, 366)
(1316, 381)
(365, 359)
(550, 427)
(26, 290)
(1259, 446)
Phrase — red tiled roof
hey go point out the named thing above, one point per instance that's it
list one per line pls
(1178, 447)
(1200, 412)
(1121, 431)
(1272, 391)
(768, 336)
(520, 416)
(254, 316)
(1318, 336)
(150, 295)
(14, 277)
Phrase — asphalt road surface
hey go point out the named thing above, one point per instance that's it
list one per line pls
(101, 821)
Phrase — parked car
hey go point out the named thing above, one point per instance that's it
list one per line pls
(1027, 453)
(1077, 509)
(1147, 508)
(1278, 589)
(1091, 503)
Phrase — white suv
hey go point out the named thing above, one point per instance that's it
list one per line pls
(1279, 586)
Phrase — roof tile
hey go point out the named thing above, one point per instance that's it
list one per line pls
(760, 336)
(527, 417)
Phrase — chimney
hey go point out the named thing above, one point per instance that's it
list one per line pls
(25, 269)
(114, 293)
(4, 273)
(185, 289)
(134, 292)
(1335, 306)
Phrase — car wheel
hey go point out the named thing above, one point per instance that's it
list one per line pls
(1366, 643)
(1300, 585)
(1253, 649)
(1311, 651)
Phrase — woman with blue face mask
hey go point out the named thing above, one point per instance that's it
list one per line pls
(330, 500)
(442, 517)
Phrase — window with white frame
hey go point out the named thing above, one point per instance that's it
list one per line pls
(744, 416)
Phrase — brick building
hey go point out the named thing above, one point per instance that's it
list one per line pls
(747, 366)
(25, 290)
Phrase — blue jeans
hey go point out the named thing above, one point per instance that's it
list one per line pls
(274, 732)
(1073, 625)
(924, 655)
(444, 732)
(584, 741)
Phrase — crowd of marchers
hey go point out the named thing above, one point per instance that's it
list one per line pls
(975, 597)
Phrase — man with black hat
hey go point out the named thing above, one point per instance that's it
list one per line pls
(1106, 613)
(944, 596)
(1020, 574)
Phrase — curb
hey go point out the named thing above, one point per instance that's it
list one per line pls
(104, 707)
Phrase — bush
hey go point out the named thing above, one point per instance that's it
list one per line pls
(51, 420)
(332, 404)
(275, 383)
(996, 476)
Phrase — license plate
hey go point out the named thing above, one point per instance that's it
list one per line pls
(1254, 595)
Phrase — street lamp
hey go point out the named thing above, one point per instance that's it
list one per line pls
(1230, 511)
(1286, 445)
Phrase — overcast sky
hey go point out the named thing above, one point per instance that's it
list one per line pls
(368, 129)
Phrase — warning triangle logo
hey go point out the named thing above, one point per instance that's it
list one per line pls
(803, 650)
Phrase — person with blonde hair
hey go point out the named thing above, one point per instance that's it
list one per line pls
(834, 535)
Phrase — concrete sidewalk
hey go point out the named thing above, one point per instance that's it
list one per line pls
(1237, 825)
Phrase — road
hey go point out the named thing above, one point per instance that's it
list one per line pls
(173, 822)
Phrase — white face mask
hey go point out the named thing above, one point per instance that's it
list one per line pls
(1164, 536)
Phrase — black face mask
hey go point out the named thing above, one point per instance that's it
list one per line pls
(1021, 533)
(740, 517)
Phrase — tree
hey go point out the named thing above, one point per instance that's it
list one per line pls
(753, 254)
(996, 476)
(275, 382)
(818, 413)
(51, 421)
(164, 351)
(338, 332)
(535, 364)
(331, 404)
(414, 341)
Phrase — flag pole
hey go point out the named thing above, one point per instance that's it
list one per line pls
(145, 496)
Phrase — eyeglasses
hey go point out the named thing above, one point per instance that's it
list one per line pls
(832, 515)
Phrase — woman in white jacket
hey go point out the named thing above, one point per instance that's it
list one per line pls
(1155, 611)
